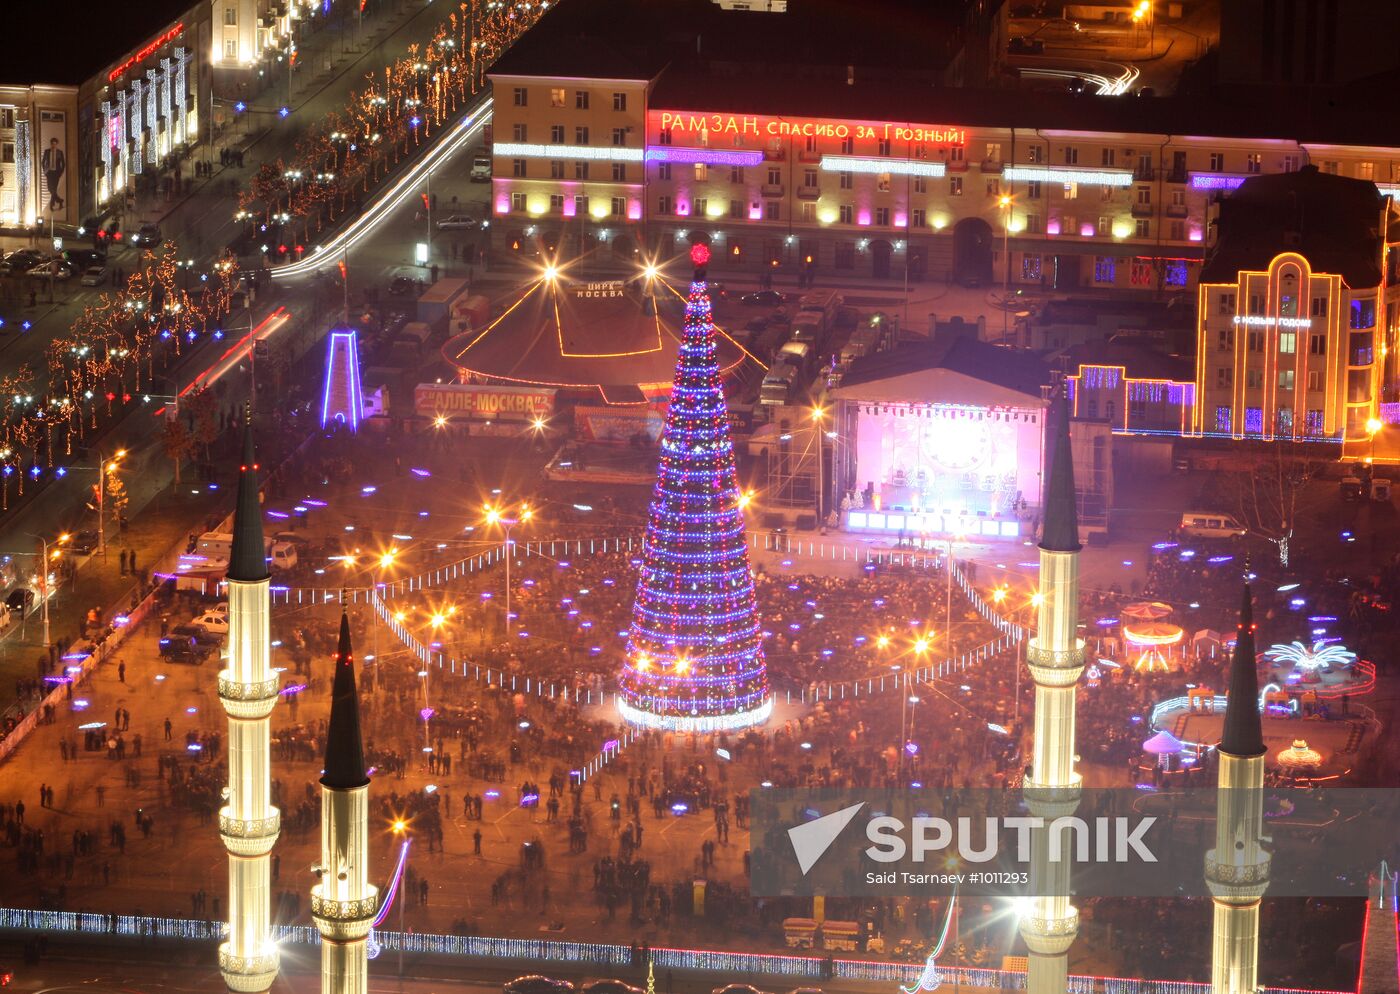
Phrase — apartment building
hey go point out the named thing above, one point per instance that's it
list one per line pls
(1297, 314)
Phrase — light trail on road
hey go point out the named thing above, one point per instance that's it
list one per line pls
(406, 186)
(1107, 86)
(235, 353)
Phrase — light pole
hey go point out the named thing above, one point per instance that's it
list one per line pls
(103, 468)
(401, 829)
(495, 516)
(1005, 204)
(44, 582)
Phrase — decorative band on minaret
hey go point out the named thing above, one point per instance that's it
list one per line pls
(1055, 657)
(248, 688)
(1237, 869)
(343, 903)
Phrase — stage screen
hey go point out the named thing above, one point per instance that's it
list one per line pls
(947, 460)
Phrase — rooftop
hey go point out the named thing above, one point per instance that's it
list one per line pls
(1016, 370)
(1138, 361)
(1332, 221)
(59, 52)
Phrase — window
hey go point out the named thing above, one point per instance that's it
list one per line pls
(809, 177)
(702, 172)
(1071, 155)
(556, 134)
(1253, 162)
(882, 217)
(994, 188)
(883, 147)
(1254, 341)
(1142, 228)
(556, 203)
(845, 255)
(556, 97)
(1222, 419)
(1035, 155)
(1285, 420)
(1030, 268)
(1217, 161)
(1176, 272)
(1365, 170)
(775, 176)
(736, 208)
(1317, 345)
(993, 151)
(1254, 420)
(848, 146)
(581, 135)
(809, 212)
(580, 100)
(664, 138)
(1288, 303)
(517, 168)
(663, 205)
(1287, 342)
(517, 201)
(1224, 339)
(619, 206)
(1329, 166)
(1290, 163)
(1314, 379)
(1224, 376)
(1227, 303)
(556, 168)
(1140, 273)
(1363, 314)
(663, 171)
(1256, 302)
(955, 186)
(810, 143)
(619, 101)
(1103, 268)
(1285, 379)
(521, 97)
(772, 210)
(1319, 307)
(230, 48)
(736, 174)
(1253, 379)
(1176, 231)
(231, 16)
(1144, 195)
(1035, 224)
(917, 218)
(920, 184)
(847, 214)
(519, 132)
(1108, 157)
(581, 206)
(619, 172)
(1315, 424)
(619, 136)
(1068, 224)
(702, 207)
(1033, 189)
(581, 170)
(847, 179)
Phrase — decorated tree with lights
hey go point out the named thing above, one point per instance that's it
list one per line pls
(694, 652)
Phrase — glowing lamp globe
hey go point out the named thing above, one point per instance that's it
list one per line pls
(700, 254)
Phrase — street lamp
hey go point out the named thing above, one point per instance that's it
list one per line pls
(1004, 202)
(44, 582)
(1373, 427)
(819, 423)
(400, 828)
(496, 516)
(103, 468)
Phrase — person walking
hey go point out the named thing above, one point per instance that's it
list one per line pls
(121, 672)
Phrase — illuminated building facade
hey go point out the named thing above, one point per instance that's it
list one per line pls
(1296, 322)
(1136, 390)
(246, 30)
(30, 117)
(865, 170)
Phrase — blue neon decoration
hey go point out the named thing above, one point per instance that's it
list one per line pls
(342, 398)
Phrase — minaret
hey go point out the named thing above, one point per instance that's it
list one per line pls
(1055, 657)
(343, 903)
(1237, 869)
(249, 824)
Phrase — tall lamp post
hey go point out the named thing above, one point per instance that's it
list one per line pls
(496, 516)
(44, 582)
(400, 828)
(1004, 202)
(103, 468)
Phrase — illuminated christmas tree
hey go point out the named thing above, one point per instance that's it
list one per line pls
(694, 652)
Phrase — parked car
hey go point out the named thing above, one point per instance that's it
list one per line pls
(456, 221)
(537, 984)
(94, 276)
(21, 261)
(182, 649)
(82, 258)
(221, 608)
(608, 986)
(214, 621)
(83, 542)
(762, 298)
(149, 235)
(202, 636)
(19, 599)
(52, 268)
(402, 286)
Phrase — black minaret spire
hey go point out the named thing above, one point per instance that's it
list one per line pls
(1061, 531)
(345, 754)
(248, 557)
(1243, 734)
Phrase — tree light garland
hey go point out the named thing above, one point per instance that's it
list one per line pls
(694, 652)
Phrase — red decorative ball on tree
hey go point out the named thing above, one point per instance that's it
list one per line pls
(699, 253)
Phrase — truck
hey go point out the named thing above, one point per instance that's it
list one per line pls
(214, 549)
(799, 354)
(481, 169)
(777, 385)
(435, 304)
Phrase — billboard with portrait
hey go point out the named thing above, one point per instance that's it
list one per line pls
(52, 153)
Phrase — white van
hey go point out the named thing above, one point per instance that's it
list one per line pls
(215, 546)
(481, 169)
(1211, 524)
(282, 555)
